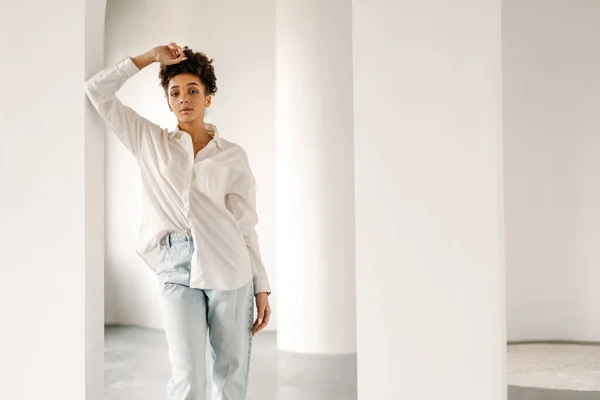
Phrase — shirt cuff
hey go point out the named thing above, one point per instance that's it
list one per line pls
(127, 67)
(262, 285)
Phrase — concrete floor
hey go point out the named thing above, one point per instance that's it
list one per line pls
(555, 366)
(137, 368)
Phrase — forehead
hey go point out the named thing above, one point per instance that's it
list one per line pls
(183, 80)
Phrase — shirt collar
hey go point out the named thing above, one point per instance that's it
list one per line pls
(210, 128)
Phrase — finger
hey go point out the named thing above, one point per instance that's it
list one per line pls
(256, 324)
(176, 49)
(260, 327)
(265, 321)
(259, 320)
(267, 316)
(175, 60)
(261, 315)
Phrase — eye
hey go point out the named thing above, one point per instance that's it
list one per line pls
(174, 94)
(194, 91)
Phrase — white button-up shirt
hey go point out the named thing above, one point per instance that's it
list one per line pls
(213, 194)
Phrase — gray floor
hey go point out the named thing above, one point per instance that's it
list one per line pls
(560, 366)
(517, 393)
(137, 368)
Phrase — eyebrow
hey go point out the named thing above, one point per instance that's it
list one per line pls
(191, 83)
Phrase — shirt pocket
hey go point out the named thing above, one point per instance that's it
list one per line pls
(211, 178)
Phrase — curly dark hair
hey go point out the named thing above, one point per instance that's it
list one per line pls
(198, 64)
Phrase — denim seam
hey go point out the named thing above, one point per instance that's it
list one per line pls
(250, 318)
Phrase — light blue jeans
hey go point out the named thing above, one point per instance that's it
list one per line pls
(192, 314)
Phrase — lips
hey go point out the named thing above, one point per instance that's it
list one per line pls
(187, 109)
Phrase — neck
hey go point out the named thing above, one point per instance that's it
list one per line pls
(196, 130)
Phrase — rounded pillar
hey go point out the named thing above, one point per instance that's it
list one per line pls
(315, 177)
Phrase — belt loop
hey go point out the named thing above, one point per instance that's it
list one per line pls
(169, 240)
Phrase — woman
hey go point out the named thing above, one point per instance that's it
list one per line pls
(199, 210)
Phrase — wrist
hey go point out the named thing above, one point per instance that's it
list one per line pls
(145, 59)
(152, 55)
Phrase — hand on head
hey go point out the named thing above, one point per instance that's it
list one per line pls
(169, 54)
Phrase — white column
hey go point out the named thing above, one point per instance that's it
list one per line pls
(314, 177)
(51, 213)
(429, 247)
(94, 209)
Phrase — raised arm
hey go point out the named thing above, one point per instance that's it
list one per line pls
(101, 89)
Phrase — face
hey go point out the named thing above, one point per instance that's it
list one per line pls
(186, 97)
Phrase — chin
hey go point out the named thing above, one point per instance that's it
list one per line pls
(189, 118)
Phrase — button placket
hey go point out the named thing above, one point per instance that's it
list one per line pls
(189, 174)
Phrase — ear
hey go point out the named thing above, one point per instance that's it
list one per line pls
(207, 101)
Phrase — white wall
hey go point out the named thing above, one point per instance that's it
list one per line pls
(51, 297)
(428, 163)
(240, 37)
(551, 62)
